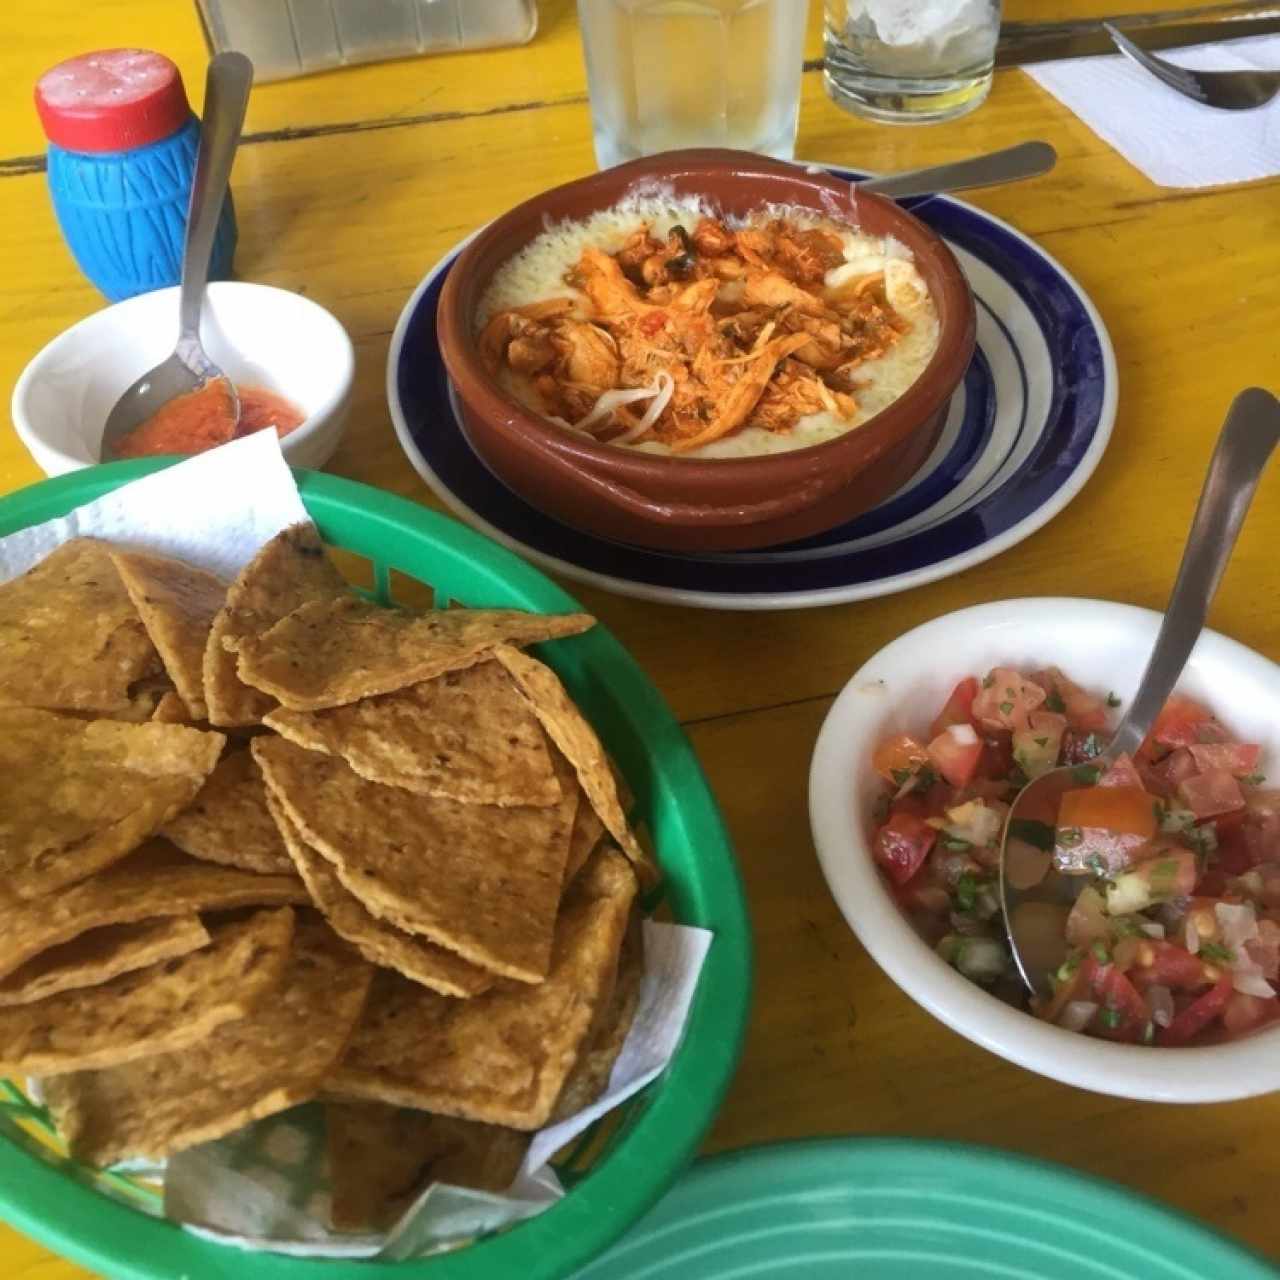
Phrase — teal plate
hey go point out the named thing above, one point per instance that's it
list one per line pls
(899, 1209)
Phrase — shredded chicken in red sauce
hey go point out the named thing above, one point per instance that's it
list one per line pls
(740, 320)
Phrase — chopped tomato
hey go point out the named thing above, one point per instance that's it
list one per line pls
(1197, 1016)
(1101, 828)
(1164, 871)
(1208, 794)
(902, 844)
(898, 756)
(1238, 758)
(1121, 773)
(1245, 1013)
(1084, 711)
(1175, 768)
(1122, 1014)
(955, 753)
(1007, 699)
(1234, 856)
(1168, 965)
(1181, 722)
(958, 708)
(651, 323)
(997, 755)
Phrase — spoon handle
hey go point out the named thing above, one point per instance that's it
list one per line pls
(226, 95)
(1026, 160)
(1248, 436)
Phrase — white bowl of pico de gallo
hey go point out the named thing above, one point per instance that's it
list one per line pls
(1169, 985)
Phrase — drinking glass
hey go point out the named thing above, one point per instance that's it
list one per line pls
(692, 73)
(910, 61)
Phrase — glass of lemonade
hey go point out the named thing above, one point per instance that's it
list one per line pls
(908, 61)
(693, 73)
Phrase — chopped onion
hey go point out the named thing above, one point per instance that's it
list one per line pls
(611, 400)
(1152, 928)
(1238, 922)
(1248, 979)
(1077, 1014)
(1191, 937)
(1160, 1005)
(666, 384)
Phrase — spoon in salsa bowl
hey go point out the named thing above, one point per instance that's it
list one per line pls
(188, 383)
(1076, 823)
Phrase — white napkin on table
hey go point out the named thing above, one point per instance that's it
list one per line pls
(1174, 141)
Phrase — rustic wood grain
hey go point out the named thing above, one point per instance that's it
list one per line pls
(354, 183)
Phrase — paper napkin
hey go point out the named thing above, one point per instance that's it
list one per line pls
(1174, 141)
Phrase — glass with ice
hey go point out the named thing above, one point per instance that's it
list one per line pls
(906, 61)
(692, 73)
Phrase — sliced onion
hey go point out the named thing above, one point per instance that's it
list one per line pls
(666, 384)
(611, 400)
(1077, 1014)
(1152, 928)
(1238, 922)
(1160, 1004)
(1249, 980)
(1191, 937)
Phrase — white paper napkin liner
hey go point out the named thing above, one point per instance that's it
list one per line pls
(215, 510)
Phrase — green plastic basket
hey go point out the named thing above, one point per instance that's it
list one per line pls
(614, 1177)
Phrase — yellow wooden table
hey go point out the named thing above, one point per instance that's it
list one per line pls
(350, 185)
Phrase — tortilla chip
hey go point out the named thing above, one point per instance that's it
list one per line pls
(480, 880)
(568, 729)
(155, 881)
(101, 954)
(337, 650)
(590, 1075)
(244, 1071)
(156, 1010)
(228, 821)
(382, 1158)
(467, 735)
(77, 795)
(170, 709)
(288, 571)
(503, 1057)
(177, 603)
(588, 830)
(380, 943)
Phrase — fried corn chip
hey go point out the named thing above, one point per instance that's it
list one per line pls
(467, 735)
(156, 1010)
(228, 821)
(503, 1057)
(379, 942)
(288, 571)
(101, 954)
(334, 651)
(70, 638)
(170, 709)
(177, 603)
(588, 831)
(568, 729)
(248, 1069)
(382, 1158)
(590, 1074)
(481, 880)
(77, 795)
(154, 881)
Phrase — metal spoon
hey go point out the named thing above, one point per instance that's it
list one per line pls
(1035, 896)
(1226, 90)
(226, 95)
(1012, 164)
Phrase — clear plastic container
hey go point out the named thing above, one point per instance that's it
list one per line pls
(295, 37)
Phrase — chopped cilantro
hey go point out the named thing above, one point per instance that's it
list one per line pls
(1110, 1017)
(1160, 812)
(925, 778)
(1086, 774)
(955, 844)
(1091, 745)
(1100, 952)
(1112, 700)
(1054, 702)
(988, 680)
(901, 776)
(1042, 742)
(1254, 779)
(921, 778)
(1038, 834)
(1149, 1033)
(1068, 837)
(1218, 954)
(1006, 708)
(1095, 864)
(966, 893)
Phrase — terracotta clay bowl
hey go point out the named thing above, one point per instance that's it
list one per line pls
(702, 504)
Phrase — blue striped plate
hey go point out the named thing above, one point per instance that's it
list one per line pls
(1023, 435)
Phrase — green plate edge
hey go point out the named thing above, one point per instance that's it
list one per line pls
(902, 1208)
(89, 1229)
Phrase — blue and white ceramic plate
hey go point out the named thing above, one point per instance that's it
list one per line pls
(1024, 434)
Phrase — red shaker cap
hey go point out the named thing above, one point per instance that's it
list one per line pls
(112, 100)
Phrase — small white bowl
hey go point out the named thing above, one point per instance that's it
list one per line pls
(1105, 647)
(259, 335)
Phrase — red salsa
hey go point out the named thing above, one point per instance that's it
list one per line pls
(1175, 937)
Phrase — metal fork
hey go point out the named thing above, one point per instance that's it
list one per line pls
(1227, 90)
